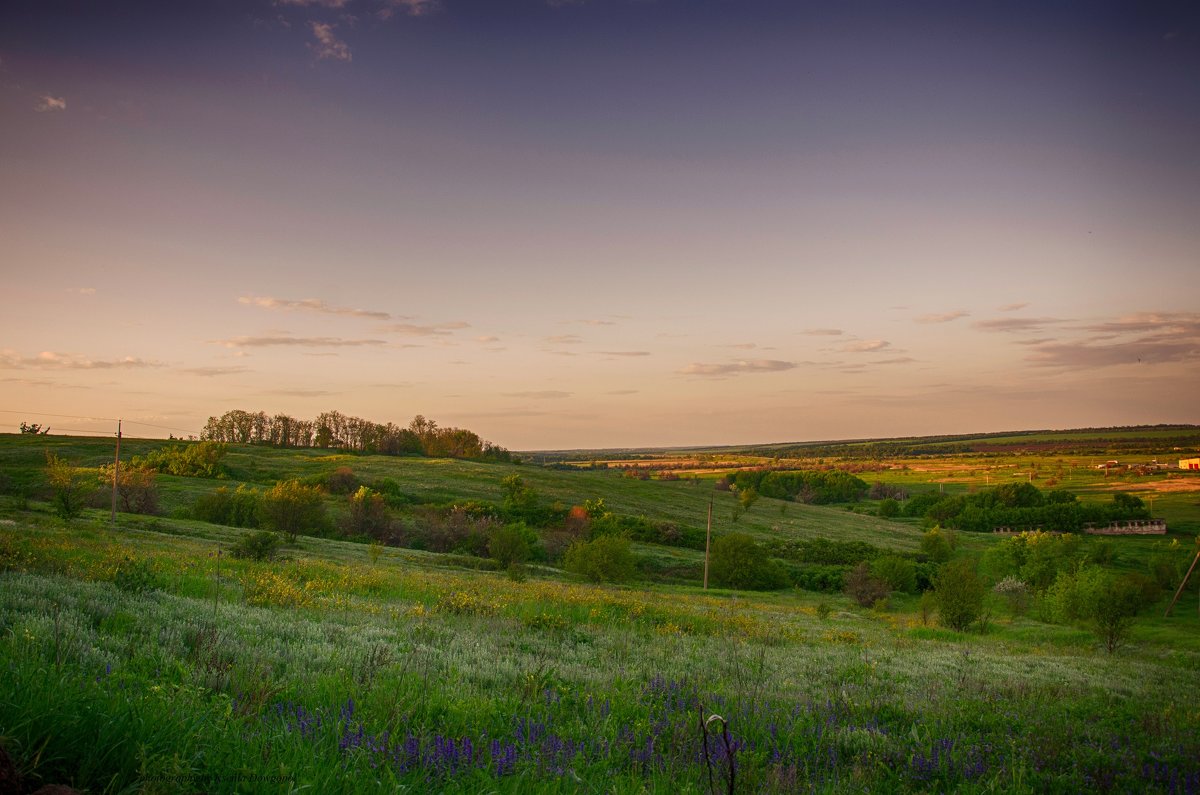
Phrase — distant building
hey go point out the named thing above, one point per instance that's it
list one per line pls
(1189, 463)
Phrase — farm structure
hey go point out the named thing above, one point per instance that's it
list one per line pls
(1189, 463)
(1132, 527)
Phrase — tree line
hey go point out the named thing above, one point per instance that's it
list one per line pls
(337, 431)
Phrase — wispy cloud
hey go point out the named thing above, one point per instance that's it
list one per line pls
(865, 346)
(546, 394)
(49, 104)
(301, 392)
(49, 360)
(943, 317)
(429, 330)
(327, 44)
(624, 353)
(823, 332)
(895, 360)
(1012, 307)
(1013, 324)
(622, 392)
(565, 339)
(487, 338)
(1160, 322)
(412, 8)
(82, 290)
(736, 368)
(1088, 354)
(311, 305)
(309, 342)
(212, 372)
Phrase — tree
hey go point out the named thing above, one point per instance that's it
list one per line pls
(290, 509)
(935, 544)
(67, 483)
(865, 588)
(511, 543)
(604, 559)
(899, 573)
(368, 515)
(35, 429)
(958, 594)
(737, 561)
(1113, 610)
(889, 508)
(137, 489)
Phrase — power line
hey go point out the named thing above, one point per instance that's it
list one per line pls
(97, 419)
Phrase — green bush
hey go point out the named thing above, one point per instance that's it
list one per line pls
(195, 460)
(261, 546)
(889, 508)
(368, 515)
(137, 576)
(899, 573)
(958, 594)
(342, 481)
(290, 509)
(604, 559)
(238, 508)
(511, 544)
(69, 486)
(737, 561)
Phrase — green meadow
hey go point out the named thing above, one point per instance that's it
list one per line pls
(140, 655)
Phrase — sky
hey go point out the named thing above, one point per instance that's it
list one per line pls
(601, 223)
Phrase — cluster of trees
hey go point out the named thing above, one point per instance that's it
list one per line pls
(1021, 505)
(332, 429)
(815, 487)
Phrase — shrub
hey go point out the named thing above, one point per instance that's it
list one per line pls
(198, 460)
(958, 594)
(1015, 592)
(511, 544)
(68, 486)
(1113, 610)
(137, 576)
(137, 490)
(237, 508)
(865, 589)
(368, 515)
(260, 546)
(291, 509)
(737, 561)
(899, 573)
(935, 544)
(604, 559)
(889, 508)
(341, 481)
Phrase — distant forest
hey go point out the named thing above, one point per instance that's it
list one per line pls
(337, 431)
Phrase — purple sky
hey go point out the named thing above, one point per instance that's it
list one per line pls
(605, 222)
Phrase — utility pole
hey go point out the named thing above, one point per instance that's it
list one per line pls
(707, 540)
(116, 474)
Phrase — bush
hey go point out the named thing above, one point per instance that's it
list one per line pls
(1113, 610)
(290, 509)
(889, 508)
(68, 485)
(899, 573)
(1015, 592)
(865, 589)
(512, 544)
(237, 508)
(137, 576)
(198, 460)
(260, 546)
(958, 594)
(137, 489)
(936, 545)
(342, 481)
(368, 515)
(604, 559)
(736, 561)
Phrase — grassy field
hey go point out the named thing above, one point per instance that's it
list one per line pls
(137, 657)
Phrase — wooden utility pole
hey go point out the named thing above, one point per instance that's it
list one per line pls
(116, 474)
(1183, 584)
(707, 541)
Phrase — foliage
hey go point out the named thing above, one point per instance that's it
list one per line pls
(291, 509)
(137, 488)
(899, 573)
(814, 487)
(738, 561)
(262, 545)
(511, 544)
(342, 481)
(604, 559)
(1023, 505)
(192, 460)
(1015, 593)
(864, 588)
(1036, 557)
(1106, 602)
(889, 508)
(958, 594)
(67, 483)
(34, 429)
(237, 508)
(937, 544)
(368, 515)
(137, 576)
